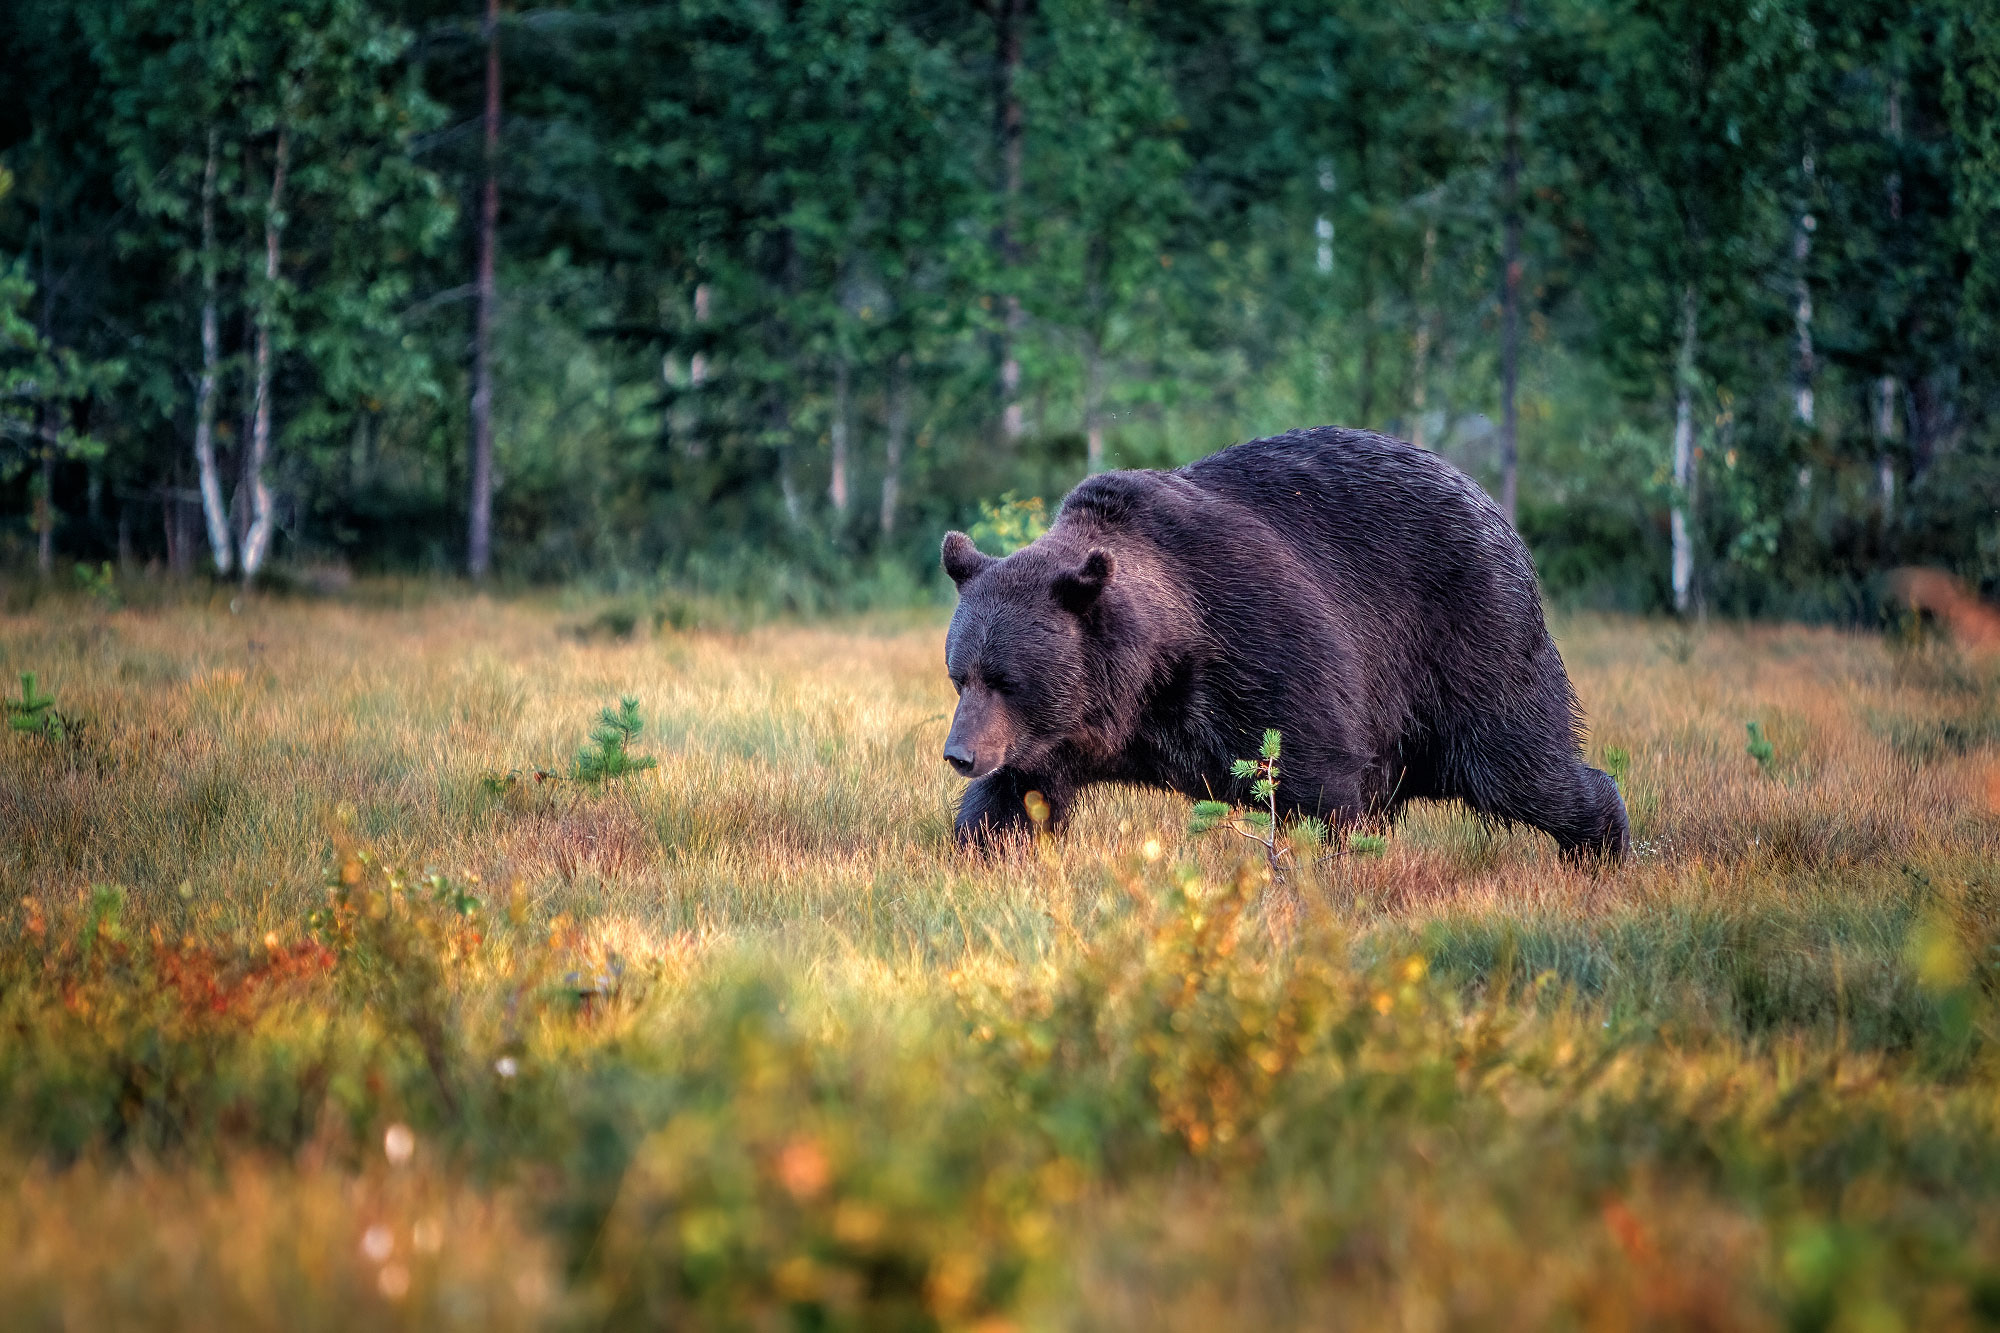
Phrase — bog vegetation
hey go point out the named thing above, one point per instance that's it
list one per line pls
(764, 296)
(414, 962)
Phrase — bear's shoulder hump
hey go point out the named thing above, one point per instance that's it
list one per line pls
(1116, 497)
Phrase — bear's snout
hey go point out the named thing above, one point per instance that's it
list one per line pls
(959, 758)
(980, 734)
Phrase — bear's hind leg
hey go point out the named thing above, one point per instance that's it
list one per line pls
(1573, 803)
(1594, 825)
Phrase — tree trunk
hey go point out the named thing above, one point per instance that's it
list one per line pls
(1885, 435)
(698, 363)
(360, 449)
(1093, 404)
(836, 486)
(1931, 421)
(239, 495)
(1885, 387)
(479, 520)
(1510, 282)
(1323, 224)
(1802, 304)
(257, 543)
(1420, 348)
(221, 542)
(45, 496)
(1009, 17)
(170, 527)
(689, 420)
(1683, 506)
(898, 428)
(778, 427)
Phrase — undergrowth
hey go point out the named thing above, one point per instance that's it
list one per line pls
(305, 1028)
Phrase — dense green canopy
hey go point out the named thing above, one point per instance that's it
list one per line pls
(790, 285)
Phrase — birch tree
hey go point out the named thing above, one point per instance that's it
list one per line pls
(1679, 127)
(229, 122)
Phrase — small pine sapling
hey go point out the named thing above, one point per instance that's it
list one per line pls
(1617, 762)
(35, 714)
(1367, 844)
(609, 754)
(607, 757)
(1759, 747)
(1259, 826)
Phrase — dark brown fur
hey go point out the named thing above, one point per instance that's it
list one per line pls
(1357, 593)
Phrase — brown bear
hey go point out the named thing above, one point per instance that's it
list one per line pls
(1357, 593)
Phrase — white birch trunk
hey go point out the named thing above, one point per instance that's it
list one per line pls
(1885, 388)
(221, 542)
(836, 486)
(1683, 540)
(1802, 304)
(479, 498)
(698, 363)
(257, 542)
(795, 510)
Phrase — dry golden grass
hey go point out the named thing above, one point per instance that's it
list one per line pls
(800, 787)
(1817, 933)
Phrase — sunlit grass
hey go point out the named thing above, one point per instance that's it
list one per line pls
(742, 1041)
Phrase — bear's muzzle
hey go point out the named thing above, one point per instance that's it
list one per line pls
(981, 733)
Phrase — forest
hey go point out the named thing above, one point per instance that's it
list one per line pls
(757, 296)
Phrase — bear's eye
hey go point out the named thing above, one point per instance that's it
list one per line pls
(958, 683)
(999, 684)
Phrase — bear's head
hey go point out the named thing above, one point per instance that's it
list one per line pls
(1020, 651)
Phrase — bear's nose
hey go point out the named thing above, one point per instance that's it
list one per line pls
(959, 758)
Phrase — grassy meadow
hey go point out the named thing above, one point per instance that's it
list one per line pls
(328, 1000)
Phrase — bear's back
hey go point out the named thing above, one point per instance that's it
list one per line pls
(1386, 519)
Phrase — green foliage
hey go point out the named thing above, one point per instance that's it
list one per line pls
(762, 266)
(608, 756)
(1367, 844)
(921, 1157)
(1259, 825)
(1618, 763)
(35, 714)
(1009, 523)
(1759, 747)
(41, 382)
(101, 584)
(1208, 815)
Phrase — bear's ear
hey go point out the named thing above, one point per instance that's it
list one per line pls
(962, 559)
(1079, 589)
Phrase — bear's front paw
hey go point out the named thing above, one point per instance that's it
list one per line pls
(1001, 807)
